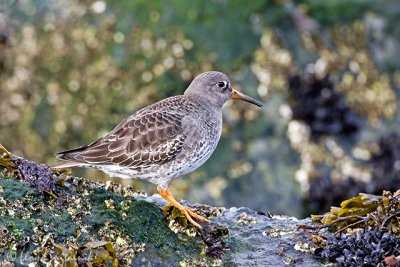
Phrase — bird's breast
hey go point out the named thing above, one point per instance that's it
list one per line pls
(201, 141)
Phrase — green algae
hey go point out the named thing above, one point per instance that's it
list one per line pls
(18, 228)
(13, 189)
(144, 223)
(56, 219)
(60, 223)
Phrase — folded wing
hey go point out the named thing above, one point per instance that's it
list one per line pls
(145, 139)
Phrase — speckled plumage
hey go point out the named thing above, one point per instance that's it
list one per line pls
(158, 143)
(163, 141)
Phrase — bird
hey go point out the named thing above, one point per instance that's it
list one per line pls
(163, 141)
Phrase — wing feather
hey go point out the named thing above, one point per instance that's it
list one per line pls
(147, 138)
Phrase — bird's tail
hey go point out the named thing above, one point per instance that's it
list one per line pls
(66, 164)
(70, 158)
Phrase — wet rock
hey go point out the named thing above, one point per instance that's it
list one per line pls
(256, 239)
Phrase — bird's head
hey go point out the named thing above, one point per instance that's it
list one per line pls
(215, 87)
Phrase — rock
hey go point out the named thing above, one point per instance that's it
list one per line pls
(33, 226)
(256, 239)
(82, 222)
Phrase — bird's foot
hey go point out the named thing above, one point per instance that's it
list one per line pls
(188, 212)
(193, 213)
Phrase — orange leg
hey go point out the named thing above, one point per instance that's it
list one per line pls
(188, 212)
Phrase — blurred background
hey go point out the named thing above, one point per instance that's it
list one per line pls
(327, 71)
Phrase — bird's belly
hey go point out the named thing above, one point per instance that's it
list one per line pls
(146, 173)
(193, 159)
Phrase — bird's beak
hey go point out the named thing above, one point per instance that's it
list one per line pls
(241, 96)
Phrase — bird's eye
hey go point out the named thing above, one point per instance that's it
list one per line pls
(222, 84)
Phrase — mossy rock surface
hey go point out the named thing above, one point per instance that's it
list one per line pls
(91, 222)
(27, 214)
